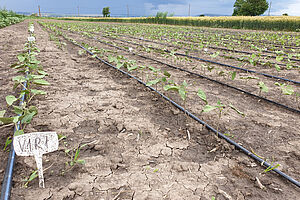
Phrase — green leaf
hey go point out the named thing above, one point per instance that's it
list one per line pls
(249, 77)
(21, 57)
(14, 65)
(41, 92)
(7, 142)
(16, 119)
(287, 90)
(263, 87)
(119, 65)
(209, 108)
(2, 112)
(10, 99)
(152, 69)
(202, 95)
(153, 82)
(38, 76)
(112, 59)
(42, 72)
(278, 84)
(171, 87)
(41, 82)
(81, 162)
(18, 110)
(164, 79)
(19, 79)
(236, 110)
(132, 68)
(6, 120)
(279, 58)
(29, 114)
(27, 118)
(33, 176)
(277, 67)
(215, 54)
(33, 109)
(233, 75)
(19, 132)
(182, 92)
(167, 74)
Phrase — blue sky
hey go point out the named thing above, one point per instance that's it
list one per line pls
(142, 7)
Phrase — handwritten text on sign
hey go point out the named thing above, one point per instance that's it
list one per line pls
(36, 144)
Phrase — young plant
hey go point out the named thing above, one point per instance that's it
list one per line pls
(220, 109)
(75, 156)
(262, 88)
(285, 89)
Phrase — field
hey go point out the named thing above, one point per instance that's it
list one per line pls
(276, 23)
(148, 111)
(8, 18)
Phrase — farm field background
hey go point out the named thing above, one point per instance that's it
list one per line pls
(135, 144)
(275, 23)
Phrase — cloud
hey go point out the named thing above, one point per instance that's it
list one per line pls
(292, 8)
(197, 7)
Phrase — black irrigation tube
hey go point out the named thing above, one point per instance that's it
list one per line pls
(195, 50)
(249, 53)
(293, 45)
(221, 64)
(221, 135)
(204, 77)
(266, 51)
(218, 48)
(7, 179)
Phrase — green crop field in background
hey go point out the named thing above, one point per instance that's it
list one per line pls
(9, 17)
(280, 23)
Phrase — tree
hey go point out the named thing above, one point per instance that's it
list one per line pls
(250, 7)
(105, 12)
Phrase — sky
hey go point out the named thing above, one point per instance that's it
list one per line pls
(142, 7)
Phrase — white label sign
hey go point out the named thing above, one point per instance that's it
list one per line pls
(36, 144)
(31, 39)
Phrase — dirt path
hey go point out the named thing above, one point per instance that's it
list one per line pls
(137, 146)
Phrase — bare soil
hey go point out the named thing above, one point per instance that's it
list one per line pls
(137, 143)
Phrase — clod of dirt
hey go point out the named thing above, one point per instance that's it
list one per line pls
(87, 127)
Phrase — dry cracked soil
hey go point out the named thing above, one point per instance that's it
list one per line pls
(135, 144)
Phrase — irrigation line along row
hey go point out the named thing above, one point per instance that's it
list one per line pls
(219, 134)
(232, 50)
(218, 48)
(198, 75)
(238, 51)
(292, 45)
(195, 50)
(204, 77)
(8, 174)
(221, 64)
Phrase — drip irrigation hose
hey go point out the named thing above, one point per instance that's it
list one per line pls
(8, 174)
(219, 48)
(7, 180)
(198, 75)
(221, 135)
(221, 64)
(238, 51)
(239, 68)
(223, 49)
(184, 48)
(204, 77)
(292, 45)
